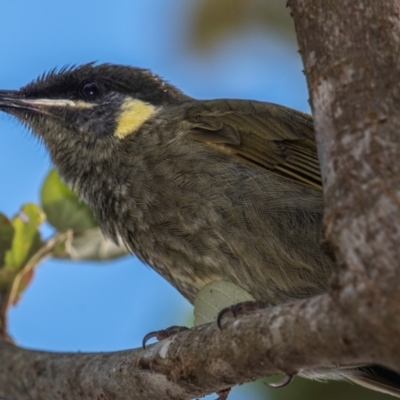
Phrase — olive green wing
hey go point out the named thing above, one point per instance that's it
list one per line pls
(263, 134)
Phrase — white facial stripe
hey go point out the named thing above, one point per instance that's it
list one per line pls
(57, 103)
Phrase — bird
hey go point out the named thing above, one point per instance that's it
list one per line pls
(200, 190)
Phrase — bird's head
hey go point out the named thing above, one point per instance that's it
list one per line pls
(85, 114)
(89, 102)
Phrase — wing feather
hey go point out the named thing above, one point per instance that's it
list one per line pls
(263, 134)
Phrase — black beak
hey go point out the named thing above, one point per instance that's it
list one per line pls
(7, 95)
(13, 99)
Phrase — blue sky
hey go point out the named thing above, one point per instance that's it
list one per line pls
(91, 307)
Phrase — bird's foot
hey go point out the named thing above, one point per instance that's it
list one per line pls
(239, 309)
(163, 333)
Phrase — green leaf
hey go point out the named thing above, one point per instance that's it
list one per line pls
(63, 208)
(33, 214)
(6, 237)
(26, 239)
(215, 296)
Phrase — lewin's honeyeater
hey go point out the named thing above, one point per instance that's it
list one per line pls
(201, 190)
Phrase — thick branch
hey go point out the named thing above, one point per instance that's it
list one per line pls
(350, 50)
(191, 364)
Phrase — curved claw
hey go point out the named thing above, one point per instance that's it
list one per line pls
(222, 313)
(163, 333)
(239, 308)
(282, 383)
(149, 336)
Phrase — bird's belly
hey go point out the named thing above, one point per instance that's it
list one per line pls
(271, 264)
(269, 242)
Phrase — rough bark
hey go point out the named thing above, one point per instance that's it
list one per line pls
(190, 364)
(187, 365)
(350, 50)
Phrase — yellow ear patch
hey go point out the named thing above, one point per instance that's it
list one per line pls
(134, 113)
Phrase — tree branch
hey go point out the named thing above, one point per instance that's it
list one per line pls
(191, 364)
(350, 52)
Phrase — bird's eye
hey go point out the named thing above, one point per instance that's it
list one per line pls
(89, 90)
